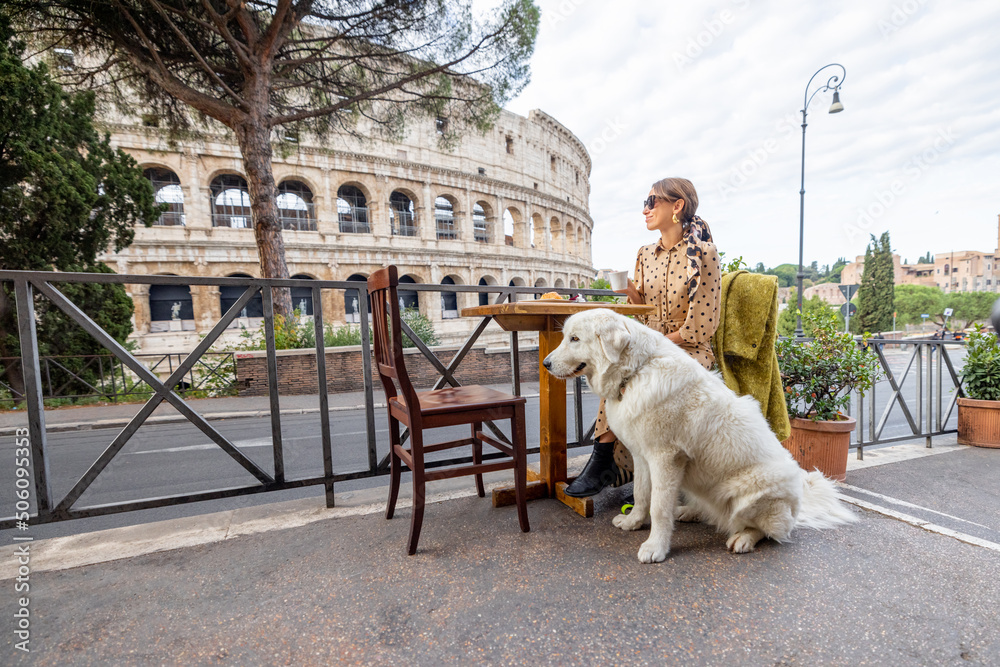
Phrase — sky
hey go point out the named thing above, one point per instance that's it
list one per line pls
(713, 92)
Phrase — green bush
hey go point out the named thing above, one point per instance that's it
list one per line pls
(818, 376)
(981, 373)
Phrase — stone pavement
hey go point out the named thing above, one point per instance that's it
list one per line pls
(914, 582)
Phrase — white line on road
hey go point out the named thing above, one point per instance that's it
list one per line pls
(920, 523)
(903, 503)
(244, 444)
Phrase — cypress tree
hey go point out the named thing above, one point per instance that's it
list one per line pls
(876, 295)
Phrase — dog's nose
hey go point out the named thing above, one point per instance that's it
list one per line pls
(547, 364)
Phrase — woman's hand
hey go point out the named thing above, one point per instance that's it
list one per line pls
(633, 294)
(675, 338)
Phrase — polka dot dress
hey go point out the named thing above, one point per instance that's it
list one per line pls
(661, 277)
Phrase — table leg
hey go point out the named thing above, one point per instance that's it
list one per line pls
(552, 413)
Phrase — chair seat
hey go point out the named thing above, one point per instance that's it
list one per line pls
(459, 399)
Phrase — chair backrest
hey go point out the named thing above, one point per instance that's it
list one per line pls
(387, 332)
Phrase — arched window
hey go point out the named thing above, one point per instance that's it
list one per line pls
(295, 206)
(480, 227)
(302, 297)
(230, 294)
(167, 190)
(539, 283)
(444, 218)
(449, 300)
(352, 210)
(407, 298)
(508, 227)
(352, 299)
(169, 303)
(230, 202)
(402, 216)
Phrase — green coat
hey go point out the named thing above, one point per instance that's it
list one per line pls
(744, 344)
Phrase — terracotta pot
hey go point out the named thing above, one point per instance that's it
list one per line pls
(979, 422)
(823, 445)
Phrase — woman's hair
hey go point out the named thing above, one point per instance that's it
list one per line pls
(673, 189)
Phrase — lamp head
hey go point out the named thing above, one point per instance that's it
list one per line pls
(836, 107)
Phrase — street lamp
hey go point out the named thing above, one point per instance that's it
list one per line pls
(833, 83)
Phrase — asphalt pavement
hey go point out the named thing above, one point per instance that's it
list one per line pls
(913, 582)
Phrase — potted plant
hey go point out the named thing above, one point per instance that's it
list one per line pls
(818, 376)
(979, 410)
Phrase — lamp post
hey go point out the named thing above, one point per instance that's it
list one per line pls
(833, 83)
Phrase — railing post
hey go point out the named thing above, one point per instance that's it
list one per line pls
(930, 391)
(940, 418)
(515, 358)
(920, 384)
(578, 407)
(272, 383)
(366, 365)
(860, 426)
(324, 400)
(33, 392)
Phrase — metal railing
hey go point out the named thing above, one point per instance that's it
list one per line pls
(926, 419)
(106, 377)
(921, 403)
(50, 507)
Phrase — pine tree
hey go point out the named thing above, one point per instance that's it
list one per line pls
(876, 295)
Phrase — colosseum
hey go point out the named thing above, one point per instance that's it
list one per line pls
(506, 208)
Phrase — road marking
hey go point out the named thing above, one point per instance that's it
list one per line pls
(244, 444)
(903, 503)
(920, 523)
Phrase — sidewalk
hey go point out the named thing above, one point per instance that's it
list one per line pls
(914, 582)
(117, 415)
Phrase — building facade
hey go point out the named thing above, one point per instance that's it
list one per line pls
(506, 208)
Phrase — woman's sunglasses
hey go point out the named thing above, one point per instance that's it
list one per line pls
(650, 202)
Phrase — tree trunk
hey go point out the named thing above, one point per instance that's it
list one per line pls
(254, 137)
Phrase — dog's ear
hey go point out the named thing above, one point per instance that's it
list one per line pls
(614, 337)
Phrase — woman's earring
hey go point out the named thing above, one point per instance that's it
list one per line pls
(676, 221)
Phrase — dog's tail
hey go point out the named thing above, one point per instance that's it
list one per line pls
(820, 508)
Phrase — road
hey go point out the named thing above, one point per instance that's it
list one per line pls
(173, 459)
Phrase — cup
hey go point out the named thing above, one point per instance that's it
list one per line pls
(618, 280)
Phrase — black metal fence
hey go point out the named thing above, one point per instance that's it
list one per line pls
(50, 508)
(921, 401)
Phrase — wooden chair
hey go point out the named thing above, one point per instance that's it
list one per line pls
(435, 409)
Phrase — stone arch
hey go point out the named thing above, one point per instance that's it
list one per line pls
(511, 222)
(517, 281)
(572, 284)
(230, 201)
(162, 299)
(352, 209)
(296, 209)
(167, 190)
(483, 222)
(403, 212)
(407, 298)
(230, 294)
(557, 238)
(559, 283)
(449, 300)
(571, 239)
(484, 297)
(302, 297)
(352, 303)
(540, 282)
(446, 217)
(536, 231)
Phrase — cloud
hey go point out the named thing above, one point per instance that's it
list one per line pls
(712, 92)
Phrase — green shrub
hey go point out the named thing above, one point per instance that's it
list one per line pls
(819, 375)
(981, 373)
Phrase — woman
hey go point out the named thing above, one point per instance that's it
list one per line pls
(679, 275)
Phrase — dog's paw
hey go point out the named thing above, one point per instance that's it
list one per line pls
(653, 552)
(687, 514)
(627, 521)
(744, 541)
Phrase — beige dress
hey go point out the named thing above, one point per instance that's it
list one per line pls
(661, 278)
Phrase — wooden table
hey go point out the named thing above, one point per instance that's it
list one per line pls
(546, 317)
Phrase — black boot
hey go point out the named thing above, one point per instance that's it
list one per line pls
(600, 471)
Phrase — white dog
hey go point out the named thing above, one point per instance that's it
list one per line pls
(688, 432)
